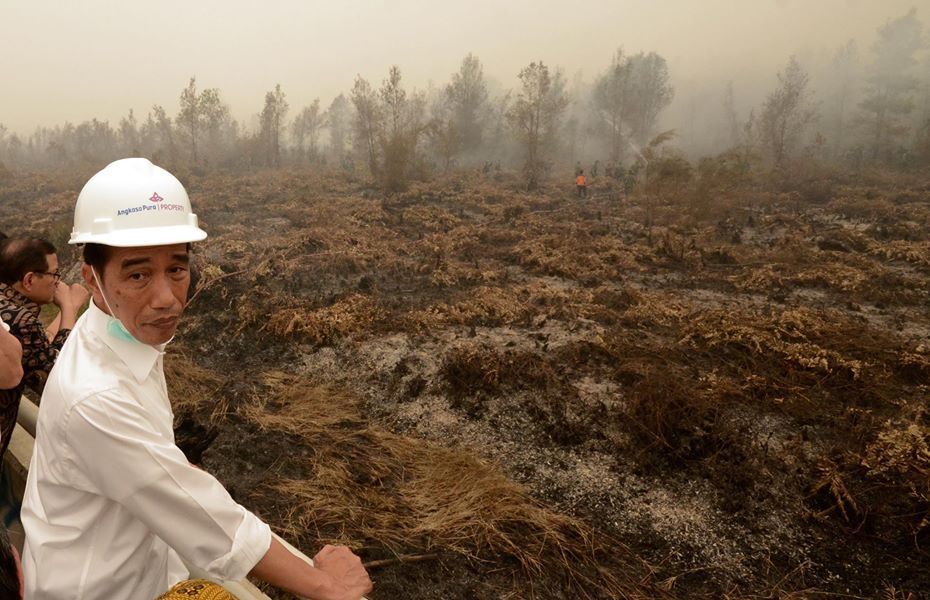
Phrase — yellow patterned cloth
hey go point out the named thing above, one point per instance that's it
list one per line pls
(201, 589)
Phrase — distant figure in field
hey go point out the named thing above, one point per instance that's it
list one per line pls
(581, 184)
(595, 169)
(578, 169)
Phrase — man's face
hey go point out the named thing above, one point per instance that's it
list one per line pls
(40, 287)
(146, 288)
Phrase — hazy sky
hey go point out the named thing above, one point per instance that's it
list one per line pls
(70, 61)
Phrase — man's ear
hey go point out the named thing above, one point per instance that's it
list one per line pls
(91, 282)
(88, 276)
(27, 281)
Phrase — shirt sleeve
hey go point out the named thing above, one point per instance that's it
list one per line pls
(39, 354)
(118, 450)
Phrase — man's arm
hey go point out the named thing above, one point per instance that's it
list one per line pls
(337, 573)
(11, 356)
(120, 456)
(51, 330)
(41, 345)
(69, 299)
(39, 353)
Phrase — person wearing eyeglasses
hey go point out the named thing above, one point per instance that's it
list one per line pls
(29, 278)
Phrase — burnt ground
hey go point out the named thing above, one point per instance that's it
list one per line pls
(724, 389)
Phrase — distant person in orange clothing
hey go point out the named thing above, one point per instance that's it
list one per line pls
(582, 185)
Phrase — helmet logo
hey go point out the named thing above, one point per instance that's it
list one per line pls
(157, 205)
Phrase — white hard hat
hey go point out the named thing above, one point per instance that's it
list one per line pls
(132, 202)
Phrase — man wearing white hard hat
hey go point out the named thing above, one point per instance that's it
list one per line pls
(111, 504)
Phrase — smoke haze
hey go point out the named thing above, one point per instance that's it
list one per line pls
(64, 62)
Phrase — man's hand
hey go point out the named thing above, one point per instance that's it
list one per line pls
(349, 580)
(337, 573)
(79, 295)
(70, 296)
(69, 299)
(62, 297)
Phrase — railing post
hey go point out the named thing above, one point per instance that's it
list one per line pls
(28, 415)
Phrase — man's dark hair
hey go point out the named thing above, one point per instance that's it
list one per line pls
(96, 255)
(19, 256)
(9, 575)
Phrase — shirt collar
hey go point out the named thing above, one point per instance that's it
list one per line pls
(139, 357)
(8, 292)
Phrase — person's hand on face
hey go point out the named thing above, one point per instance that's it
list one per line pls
(79, 294)
(62, 296)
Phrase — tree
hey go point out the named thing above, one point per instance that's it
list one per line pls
(337, 117)
(443, 132)
(467, 95)
(730, 116)
(272, 125)
(202, 115)
(573, 135)
(650, 93)
(922, 143)
(94, 140)
(189, 118)
(786, 113)
(164, 132)
(628, 99)
(3, 144)
(841, 82)
(611, 99)
(129, 135)
(216, 123)
(888, 97)
(14, 149)
(403, 125)
(368, 120)
(534, 117)
(306, 128)
(496, 121)
(393, 100)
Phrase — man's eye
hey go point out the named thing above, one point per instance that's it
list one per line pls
(136, 276)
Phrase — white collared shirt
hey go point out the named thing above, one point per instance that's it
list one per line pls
(111, 502)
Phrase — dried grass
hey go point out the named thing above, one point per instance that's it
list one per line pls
(351, 315)
(797, 351)
(745, 300)
(193, 389)
(366, 486)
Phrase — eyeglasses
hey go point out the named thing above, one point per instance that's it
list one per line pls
(55, 274)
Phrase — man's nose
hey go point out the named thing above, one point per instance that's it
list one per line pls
(163, 293)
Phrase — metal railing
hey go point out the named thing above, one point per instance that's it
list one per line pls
(28, 416)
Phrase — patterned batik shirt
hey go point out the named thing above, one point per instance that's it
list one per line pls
(39, 354)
